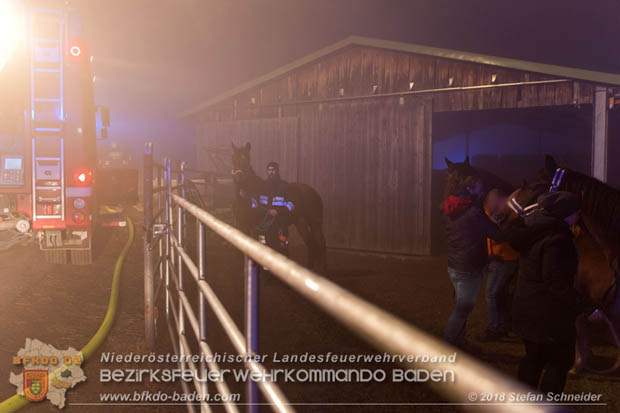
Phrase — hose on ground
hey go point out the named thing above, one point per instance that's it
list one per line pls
(18, 401)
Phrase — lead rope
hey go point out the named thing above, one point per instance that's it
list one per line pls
(267, 222)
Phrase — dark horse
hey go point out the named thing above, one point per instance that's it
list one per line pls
(460, 172)
(307, 216)
(597, 239)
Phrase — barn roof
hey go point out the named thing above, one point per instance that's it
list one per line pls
(554, 70)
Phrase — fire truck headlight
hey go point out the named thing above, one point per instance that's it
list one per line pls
(79, 203)
(12, 31)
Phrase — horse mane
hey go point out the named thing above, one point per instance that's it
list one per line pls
(600, 202)
(251, 171)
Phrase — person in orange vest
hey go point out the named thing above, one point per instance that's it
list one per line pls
(501, 267)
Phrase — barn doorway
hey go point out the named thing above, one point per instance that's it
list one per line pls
(511, 143)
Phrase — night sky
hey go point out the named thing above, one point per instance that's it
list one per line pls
(156, 58)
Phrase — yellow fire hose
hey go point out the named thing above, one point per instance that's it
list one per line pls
(18, 401)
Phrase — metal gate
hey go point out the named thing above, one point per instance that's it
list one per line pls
(167, 261)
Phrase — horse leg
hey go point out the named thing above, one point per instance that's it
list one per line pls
(582, 351)
(304, 232)
(241, 215)
(612, 325)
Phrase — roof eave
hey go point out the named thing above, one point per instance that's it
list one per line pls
(554, 70)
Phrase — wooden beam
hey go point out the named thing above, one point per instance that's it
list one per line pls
(599, 134)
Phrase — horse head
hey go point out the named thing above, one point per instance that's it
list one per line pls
(462, 175)
(522, 201)
(544, 177)
(241, 167)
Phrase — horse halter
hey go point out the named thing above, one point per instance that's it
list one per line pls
(555, 185)
(519, 210)
(557, 179)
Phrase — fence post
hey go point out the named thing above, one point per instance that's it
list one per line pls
(201, 249)
(213, 181)
(147, 188)
(251, 326)
(179, 262)
(184, 193)
(168, 182)
(160, 205)
(201, 252)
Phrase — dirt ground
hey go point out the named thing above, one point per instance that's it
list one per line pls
(63, 305)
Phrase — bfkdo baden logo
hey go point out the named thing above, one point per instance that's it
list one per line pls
(35, 384)
(48, 372)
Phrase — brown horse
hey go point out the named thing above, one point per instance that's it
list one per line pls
(597, 239)
(307, 216)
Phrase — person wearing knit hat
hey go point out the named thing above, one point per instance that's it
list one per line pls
(272, 169)
(279, 205)
(546, 303)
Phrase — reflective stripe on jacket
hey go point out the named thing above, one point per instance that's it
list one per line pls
(277, 201)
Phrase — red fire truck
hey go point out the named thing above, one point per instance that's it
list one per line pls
(47, 129)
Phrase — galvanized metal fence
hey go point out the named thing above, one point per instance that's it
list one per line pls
(168, 265)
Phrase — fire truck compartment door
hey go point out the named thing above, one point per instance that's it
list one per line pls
(48, 170)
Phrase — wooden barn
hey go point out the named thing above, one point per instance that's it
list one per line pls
(367, 122)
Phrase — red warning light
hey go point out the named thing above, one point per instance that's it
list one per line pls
(75, 51)
(79, 217)
(82, 177)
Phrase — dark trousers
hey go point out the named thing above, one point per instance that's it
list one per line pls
(273, 238)
(466, 288)
(555, 358)
(499, 274)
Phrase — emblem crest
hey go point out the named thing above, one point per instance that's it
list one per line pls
(35, 384)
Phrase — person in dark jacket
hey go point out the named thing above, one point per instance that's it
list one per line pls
(277, 200)
(467, 229)
(546, 303)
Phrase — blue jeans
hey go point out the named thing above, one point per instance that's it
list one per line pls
(466, 286)
(498, 275)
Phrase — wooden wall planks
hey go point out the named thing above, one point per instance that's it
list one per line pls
(369, 158)
(371, 163)
(271, 139)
